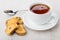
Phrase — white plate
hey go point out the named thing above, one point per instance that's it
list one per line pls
(30, 24)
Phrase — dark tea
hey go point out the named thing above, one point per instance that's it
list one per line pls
(40, 8)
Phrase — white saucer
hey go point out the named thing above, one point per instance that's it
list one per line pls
(30, 24)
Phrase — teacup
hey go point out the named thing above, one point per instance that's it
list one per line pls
(39, 13)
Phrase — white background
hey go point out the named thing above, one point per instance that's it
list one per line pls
(52, 34)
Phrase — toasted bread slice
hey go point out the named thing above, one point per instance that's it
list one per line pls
(10, 29)
(21, 30)
(12, 21)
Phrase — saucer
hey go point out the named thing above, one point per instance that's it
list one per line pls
(30, 24)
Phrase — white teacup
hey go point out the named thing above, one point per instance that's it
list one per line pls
(39, 18)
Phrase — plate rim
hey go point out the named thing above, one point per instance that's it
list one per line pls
(43, 29)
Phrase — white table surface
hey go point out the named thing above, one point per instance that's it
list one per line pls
(52, 34)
